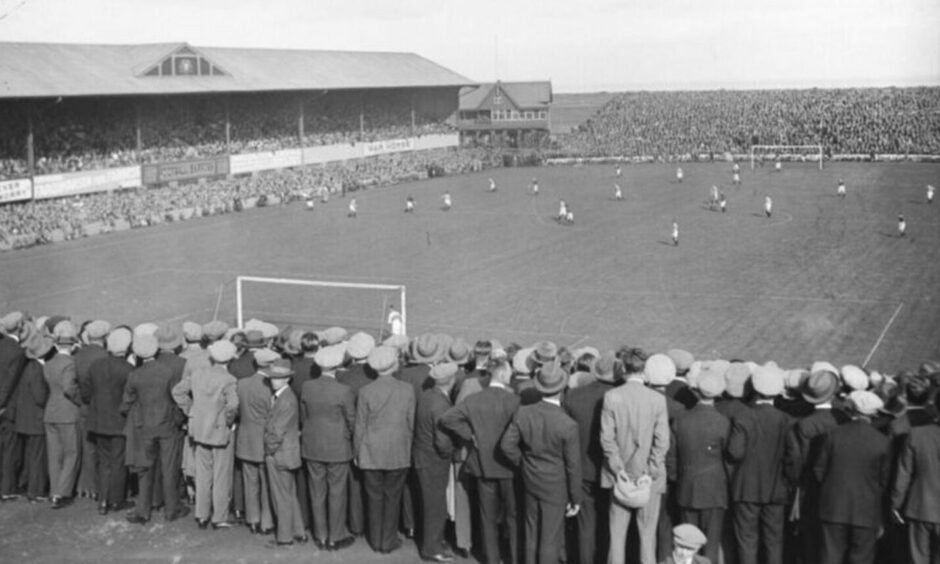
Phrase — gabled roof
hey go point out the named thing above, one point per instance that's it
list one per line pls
(524, 95)
(30, 70)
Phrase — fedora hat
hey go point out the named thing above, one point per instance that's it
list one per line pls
(278, 369)
(551, 379)
(459, 351)
(543, 353)
(820, 387)
(426, 349)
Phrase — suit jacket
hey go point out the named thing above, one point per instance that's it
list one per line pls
(254, 404)
(696, 559)
(916, 491)
(803, 443)
(432, 445)
(103, 391)
(148, 402)
(758, 438)
(210, 400)
(852, 469)
(543, 440)
(174, 361)
(385, 415)
(701, 439)
(356, 376)
(31, 396)
(679, 391)
(282, 431)
(583, 404)
(84, 358)
(634, 434)
(12, 362)
(64, 395)
(480, 421)
(419, 376)
(731, 407)
(328, 414)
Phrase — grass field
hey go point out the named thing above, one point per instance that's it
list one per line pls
(824, 278)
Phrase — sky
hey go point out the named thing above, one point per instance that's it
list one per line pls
(580, 45)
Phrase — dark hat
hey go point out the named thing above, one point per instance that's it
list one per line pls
(254, 339)
(820, 387)
(551, 379)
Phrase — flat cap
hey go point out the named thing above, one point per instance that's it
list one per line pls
(168, 337)
(119, 341)
(64, 333)
(443, 371)
(265, 357)
(660, 370)
(865, 402)
(192, 332)
(222, 351)
(144, 346)
(333, 335)
(711, 381)
(215, 330)
(682, 359)
(383, 359)
(360, 345)
(11, 321)
(688, 536)
(854, 377)
(399, 342)
(145, 329)
(736, 378)
(97, 329)
(330, 357)
(767, 380)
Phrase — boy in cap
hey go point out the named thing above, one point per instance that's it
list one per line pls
(382, 446)
(702, 480)
(153, 433)
(543, 441)
(62, 415)
(431, 453)
(282, 456)
(852, 469)
(687, 540)
(758, 487)
(328, 411)
(102, 392)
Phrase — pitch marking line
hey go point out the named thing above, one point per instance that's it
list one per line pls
(882, 336)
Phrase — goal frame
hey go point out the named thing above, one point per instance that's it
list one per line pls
(783, 148)
(240, 280)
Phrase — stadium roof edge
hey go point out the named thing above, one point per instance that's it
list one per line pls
(40, 70)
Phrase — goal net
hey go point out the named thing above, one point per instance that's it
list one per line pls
(315, 305)
(764, 154)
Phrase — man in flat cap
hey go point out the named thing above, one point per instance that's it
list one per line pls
(480, 421)
(210, 399)
(62, 415)
(254, 403)
(687, 540)
(103, 392)
(153, 431)
(382, 446)
(635, 439)
(12, 362)
(583, 404)
(282, 455)
(852, 469)
(915, 495)
(91, 349)
(32, 394)
(759, 490)
(802, 450)
(543, 441)
(701, 437)
(328, 416)
(431, 452)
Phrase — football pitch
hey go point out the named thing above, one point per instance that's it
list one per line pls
(824, 278)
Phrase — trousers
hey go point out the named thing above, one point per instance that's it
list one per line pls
(647, 519)
(498, 502)
(327, 482)
(544, 530)
(112, 474)
(214, 474)
(257, 497)
(383, 502)
(65, 451)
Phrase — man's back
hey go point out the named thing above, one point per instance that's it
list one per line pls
(254, 403)
(634, 434)
(481, 419)
(384, 424)
(757, 443)
(583, 404)
(148, 401)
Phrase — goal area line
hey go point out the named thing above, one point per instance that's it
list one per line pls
(240, 282)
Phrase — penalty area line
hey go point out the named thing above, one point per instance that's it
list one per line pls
(881, 337)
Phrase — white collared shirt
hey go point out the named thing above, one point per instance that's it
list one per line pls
(497, 385)
(553, 401)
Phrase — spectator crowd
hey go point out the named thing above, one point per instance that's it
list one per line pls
(844, 121)
(504, 453)
(38, 219)
(84, 134)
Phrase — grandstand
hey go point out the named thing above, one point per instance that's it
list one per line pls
(73, 108)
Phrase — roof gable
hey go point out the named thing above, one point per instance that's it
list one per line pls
(513, 95)
(182, 61)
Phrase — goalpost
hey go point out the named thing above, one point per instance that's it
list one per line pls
(317, 304)
(788, 152)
